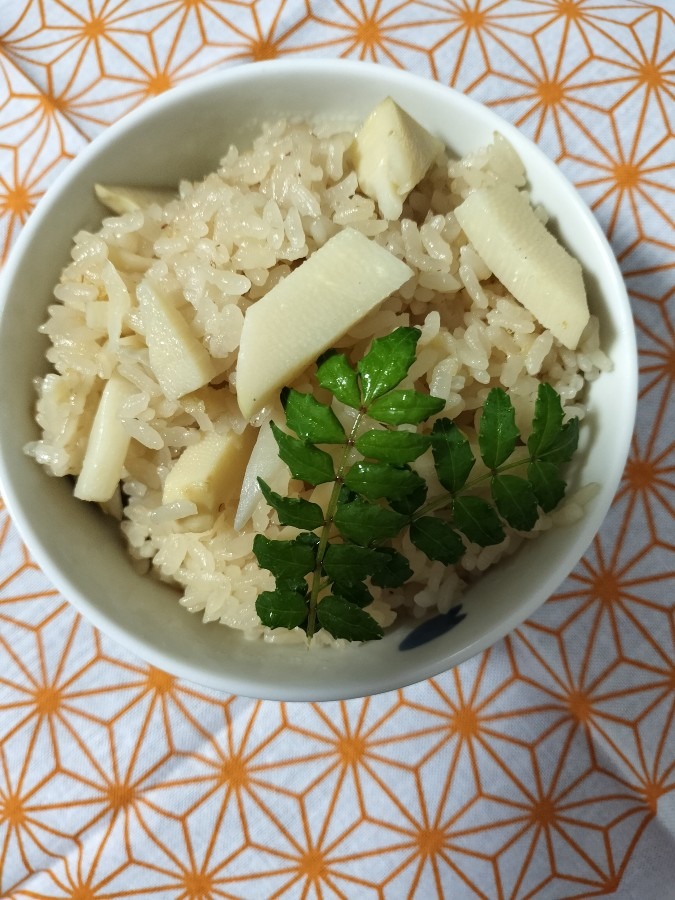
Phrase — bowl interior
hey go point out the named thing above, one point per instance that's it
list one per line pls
(182, 135)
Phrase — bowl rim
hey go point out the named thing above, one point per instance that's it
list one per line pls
(227, 79)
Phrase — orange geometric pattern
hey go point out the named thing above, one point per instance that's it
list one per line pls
(545, 767)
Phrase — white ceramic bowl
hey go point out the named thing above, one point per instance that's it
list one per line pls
(182, 134)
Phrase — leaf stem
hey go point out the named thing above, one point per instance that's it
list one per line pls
(445, 499)
(317, 583)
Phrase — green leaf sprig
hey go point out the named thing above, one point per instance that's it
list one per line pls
(325, 574)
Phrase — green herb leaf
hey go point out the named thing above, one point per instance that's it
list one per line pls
(395, 570)
(281, 609)
(515, 501)
(387, 362)
(396, 447)
(547, 422)
(311, 420)
(376, 479)
(296, 585)
(296, 512)
(478, 520)
(336, 375)
(405, 407)
(453, 456)
(564, 447)
(345, 495)
(364, 522)
(548, 486)
(411, 502)
(348, 551)
(437, 539)
(356, 593)
(345, 620)
(308, 538)
(349, 563)
(497, 433)
(305, 461)
(290, 560)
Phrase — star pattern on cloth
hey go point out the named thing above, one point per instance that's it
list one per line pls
(539, 769)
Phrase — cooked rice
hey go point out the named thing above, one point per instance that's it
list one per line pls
(222, 244)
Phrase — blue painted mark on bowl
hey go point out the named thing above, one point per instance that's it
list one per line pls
(432, 628)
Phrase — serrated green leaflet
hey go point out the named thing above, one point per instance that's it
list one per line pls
(348, 563)
(548, 486)
(305, 461)
(515, 501)
(396, 447)
(497, 433)
(395, 569)
(336, 375)
(342, 557)
(285, 559)
(297, 586)
(306, 537)
(281, 609)
(478, 520)
(345, 495)
(363, 522)
(564, 447)
(345, 620)
(375, 480)
(411, 502)
(293, 511)
(547, 422)
(311, 420)
(452, 453)
(387, 362)
(356, 593)
(405, 407)
(437, 539)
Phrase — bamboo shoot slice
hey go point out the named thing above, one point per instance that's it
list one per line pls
(211, 471)
(527, 259)
(179, 360)
(391, 154)
(121, 199)
(264, 463)
(309, 311)
(108, 444)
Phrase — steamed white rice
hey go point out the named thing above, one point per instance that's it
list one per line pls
(222, 244)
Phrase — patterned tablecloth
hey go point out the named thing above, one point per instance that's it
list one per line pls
(545, 767)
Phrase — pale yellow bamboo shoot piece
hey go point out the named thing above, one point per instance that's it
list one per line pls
(391, 154)
(309, 311)
(108, 444)
(121, 199)
(178, 358)
(211, 471)
(527, 259)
